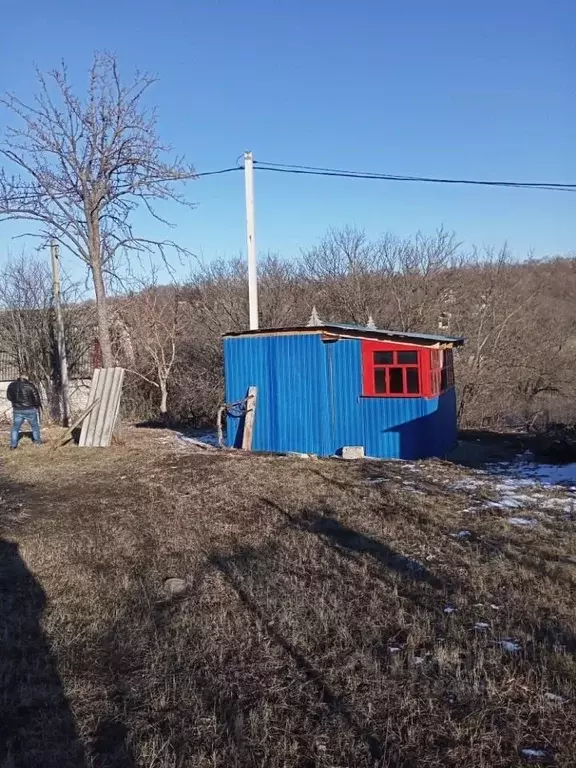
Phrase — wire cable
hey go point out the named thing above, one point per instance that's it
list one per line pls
(316, 171)
(216, 173)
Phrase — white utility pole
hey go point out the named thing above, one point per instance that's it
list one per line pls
(55, 255)
(251, 240)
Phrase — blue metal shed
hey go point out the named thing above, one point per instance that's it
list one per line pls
(325, 387)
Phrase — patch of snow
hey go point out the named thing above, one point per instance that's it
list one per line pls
(511, 484)
(377, 480)
(495, 607)
(510, 646)
(525, 521)
(519, 498)
(207, 438)
(556, 698)
(532, 753)
(506, 503)
(394, 649)
(461, 535)
(481, 625)
(546, 474)
(210, 438)
(466, 485)
(449, 609)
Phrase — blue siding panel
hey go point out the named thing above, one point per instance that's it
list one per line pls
(345, 382)
(310, 401)
(290, 373)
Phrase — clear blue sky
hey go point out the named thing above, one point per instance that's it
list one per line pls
(453, 88)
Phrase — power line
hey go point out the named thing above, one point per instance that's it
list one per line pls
(315, 171)
(216, 173)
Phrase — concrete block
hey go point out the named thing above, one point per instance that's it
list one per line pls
(353, 452)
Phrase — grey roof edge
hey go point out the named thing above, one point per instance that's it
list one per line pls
(355, 331)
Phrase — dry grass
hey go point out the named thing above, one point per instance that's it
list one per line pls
(313, 632)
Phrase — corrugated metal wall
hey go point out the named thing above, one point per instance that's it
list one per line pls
(290, 373)
(310, 400)
(394, 427)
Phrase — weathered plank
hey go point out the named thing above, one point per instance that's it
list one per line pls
(106, 387)
(248, 433)
(68, 434)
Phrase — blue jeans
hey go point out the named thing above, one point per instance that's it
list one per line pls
(31, 416)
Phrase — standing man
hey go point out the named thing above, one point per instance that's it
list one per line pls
(26, 406)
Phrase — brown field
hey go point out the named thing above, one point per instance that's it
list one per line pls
(313, 631)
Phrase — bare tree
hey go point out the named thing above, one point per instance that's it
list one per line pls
(27, 326)
(86, 163)
(153, 319)
(347, 270)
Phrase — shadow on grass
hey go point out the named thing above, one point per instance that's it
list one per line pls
(380, 753)
(110, 746)
(348, 541)
(36, 724)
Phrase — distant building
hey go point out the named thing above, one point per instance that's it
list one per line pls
(327, 386)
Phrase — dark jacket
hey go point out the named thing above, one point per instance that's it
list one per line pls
(23, 395)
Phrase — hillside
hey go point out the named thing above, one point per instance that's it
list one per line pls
(333, 614)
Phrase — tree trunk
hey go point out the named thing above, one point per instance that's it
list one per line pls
(102, 316)
(163, 398)
(100, 292)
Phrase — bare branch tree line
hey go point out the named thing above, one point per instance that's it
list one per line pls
(518, 365)
(519, 362)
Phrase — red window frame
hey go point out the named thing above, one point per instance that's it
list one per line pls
(436, 363)
(435, 369)
(372, 369)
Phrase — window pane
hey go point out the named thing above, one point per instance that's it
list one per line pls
(408, 358)
(380, 381)
(412, 381)
(396, 381)
(383, 358)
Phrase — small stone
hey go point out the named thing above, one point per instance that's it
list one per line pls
(176, 587)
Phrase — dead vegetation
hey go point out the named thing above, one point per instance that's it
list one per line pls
(333, 615)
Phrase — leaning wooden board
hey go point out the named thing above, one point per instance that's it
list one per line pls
(248, 432)
(97, 430)
(68, 434)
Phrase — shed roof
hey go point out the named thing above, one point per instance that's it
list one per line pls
(343, 330)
